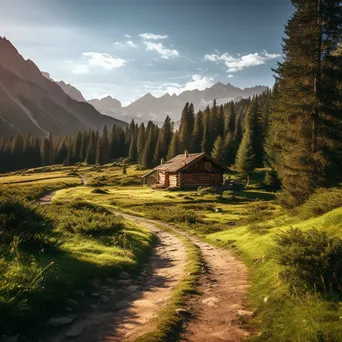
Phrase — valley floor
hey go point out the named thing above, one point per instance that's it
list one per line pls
(196, 273)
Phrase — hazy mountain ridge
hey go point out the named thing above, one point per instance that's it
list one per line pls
(32, 103)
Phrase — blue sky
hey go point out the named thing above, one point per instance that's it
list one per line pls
(126, 48)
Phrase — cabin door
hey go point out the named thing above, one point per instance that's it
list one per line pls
(167, 180)
(212, 180)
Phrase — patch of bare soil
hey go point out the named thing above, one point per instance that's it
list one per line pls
(223, 286)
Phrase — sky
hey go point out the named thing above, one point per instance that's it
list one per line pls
(127, 48)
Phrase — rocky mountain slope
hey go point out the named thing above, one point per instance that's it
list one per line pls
(32, 103)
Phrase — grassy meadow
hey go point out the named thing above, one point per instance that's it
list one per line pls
(77, 237)
(48, 252)
(248, 222)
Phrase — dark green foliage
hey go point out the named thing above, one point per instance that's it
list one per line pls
(271, 181)
(22, 220)
(218, 150)
(304, 136)
(186, 126)
(321, 202)
(312, 260)
(174, 148)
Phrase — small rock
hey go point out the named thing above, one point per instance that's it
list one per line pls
(245, 313)
(104, 299)
(59, 321)
(182, 312)
(122, 304)
(111, 292)
(218, 240)
(125, 282)
(265, 299)
(72, 301)
(124, 275)
(218, 210)
(80, 293)
(212, 301)
(133, 288)
(95, 295)
(77, 329)
(95, 282)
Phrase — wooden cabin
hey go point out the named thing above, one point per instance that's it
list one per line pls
(187, 171)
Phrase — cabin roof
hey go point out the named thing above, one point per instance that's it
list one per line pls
(179, 162)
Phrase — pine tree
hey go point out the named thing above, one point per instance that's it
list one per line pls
(218, 151)
(91, 156)
(165, 137)
(245, 159)
(140, 142)
(99, 152)
(105, 145)
(230, 118)
(149, 148)
(186, 126)
(46, 152)
(197, 133)
(206, 139)
(133, 154)
(304, 139)
(229, 149)
(175, 147)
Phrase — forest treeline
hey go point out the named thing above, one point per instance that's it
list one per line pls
(295, 129)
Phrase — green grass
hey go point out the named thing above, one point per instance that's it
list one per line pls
(48, 252)
(246, 223)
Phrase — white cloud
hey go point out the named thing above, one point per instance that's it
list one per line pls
(197, 82)
(235, 64)
(161, 50)
(127, 43)
(104, 60)
(152, 36)
(81, 69)
(127, 36)
(230, 76)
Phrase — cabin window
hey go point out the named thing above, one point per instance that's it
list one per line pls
(207, 166)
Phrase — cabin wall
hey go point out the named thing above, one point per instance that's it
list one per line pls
(161, 177)
(195, 180)
(173, 180)
(151, 179)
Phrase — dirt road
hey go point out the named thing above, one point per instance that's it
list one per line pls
(129, 311)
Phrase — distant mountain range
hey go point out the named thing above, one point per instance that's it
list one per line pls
(32, 103)
(154, 108)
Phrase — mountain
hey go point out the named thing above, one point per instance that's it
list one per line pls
(154, 108)
(32, 103)
(67, 88)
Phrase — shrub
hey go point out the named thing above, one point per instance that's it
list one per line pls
(20, 219)
(201, 191)
(321, 202)
(311, 260)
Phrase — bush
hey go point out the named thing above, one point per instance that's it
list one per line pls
(22, 220)
(311, 260)
(321, 202)
(201, 191)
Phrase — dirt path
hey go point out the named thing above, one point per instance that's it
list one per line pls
(223, 286)
(128, 311)
(47, 198)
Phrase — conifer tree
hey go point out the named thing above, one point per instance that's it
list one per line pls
(218, 151)
(91, 156)
(304, 138)
(140, 142)
(186, 126)
(206, 139)
(197, 133)
(175, 147)
(166, 137)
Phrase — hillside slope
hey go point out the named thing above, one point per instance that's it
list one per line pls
(31, 103)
